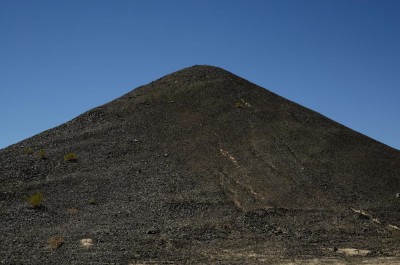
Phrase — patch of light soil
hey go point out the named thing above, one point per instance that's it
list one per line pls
(365, 214)
(353, 251)
(86, 242)
(393, 227)
(333, 261)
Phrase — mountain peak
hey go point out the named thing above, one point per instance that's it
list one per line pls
(202, 69)
(197, 73)
(199, 157)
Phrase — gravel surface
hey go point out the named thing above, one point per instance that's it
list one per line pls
(200, 167)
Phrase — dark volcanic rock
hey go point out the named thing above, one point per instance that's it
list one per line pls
(199, 166)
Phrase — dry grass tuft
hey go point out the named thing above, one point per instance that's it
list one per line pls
(72, 211)
(55, 242)
(28, 150)
(35, 200)
(42, 154)
(71, 157)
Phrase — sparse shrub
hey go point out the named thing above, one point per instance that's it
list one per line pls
(35, 200)
(28, 150)
(71, 157)
(55, 242)
(239, 105)
(92, 201)
(72, 211)
(42, 154)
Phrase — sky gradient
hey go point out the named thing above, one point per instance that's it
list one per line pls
(59, 59)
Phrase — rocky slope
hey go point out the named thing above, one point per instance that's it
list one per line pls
(200, 166)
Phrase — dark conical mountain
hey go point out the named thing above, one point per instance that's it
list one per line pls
(200, 166)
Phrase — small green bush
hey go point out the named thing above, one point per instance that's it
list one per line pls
(35, 200)
(92, 201)
(239, 105)
(28, 150)
(71, 157)
(42, 154)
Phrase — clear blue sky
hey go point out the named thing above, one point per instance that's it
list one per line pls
(61, 58)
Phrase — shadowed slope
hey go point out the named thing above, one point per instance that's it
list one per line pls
(189, 155)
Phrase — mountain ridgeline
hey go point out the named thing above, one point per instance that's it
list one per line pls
(196, 156)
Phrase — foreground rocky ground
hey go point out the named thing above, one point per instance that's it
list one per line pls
(278, 236)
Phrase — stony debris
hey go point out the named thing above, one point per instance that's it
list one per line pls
(200, 167)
